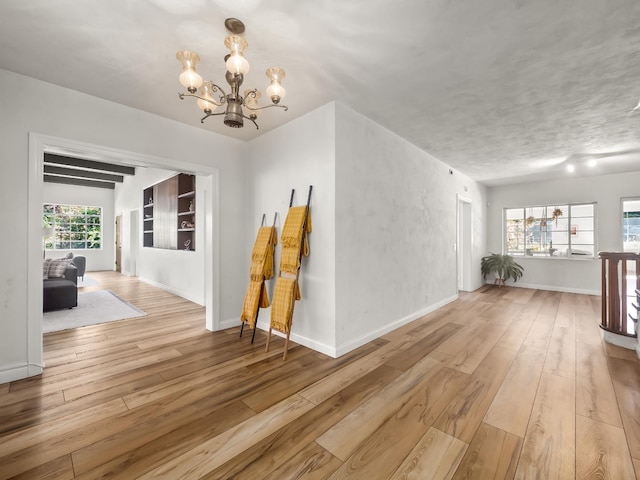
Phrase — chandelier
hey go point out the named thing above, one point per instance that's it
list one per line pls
(237, 67)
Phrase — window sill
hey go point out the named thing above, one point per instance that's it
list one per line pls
(580, 258)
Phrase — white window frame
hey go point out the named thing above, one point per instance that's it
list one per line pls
(55, 231)
(571, 253)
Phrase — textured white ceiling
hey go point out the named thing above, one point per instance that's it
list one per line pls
(497, 89)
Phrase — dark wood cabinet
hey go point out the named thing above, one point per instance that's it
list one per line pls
(169, 210)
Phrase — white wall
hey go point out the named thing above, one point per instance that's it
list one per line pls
(98, 259)
(296, 155)
(563, 274)
(64, 113)
(177, 271)
(384, 225)
(395, 230)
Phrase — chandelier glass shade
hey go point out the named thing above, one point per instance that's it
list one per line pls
(210, 96)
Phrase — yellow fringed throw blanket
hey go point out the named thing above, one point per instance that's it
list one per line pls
(261, 269)
(262, 254)
(282, 307)
(255, 297)
(293, 237)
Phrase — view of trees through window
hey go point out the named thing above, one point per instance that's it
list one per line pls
(551, 230)
(74, 227)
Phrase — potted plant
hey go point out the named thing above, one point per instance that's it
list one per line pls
(503, 266)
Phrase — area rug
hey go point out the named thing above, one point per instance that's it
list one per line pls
(87, 281)
(99, 306)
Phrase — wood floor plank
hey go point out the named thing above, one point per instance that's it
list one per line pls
(492, 454)
(457, 343)
(477, 348)
(214, 452)
(343, 439)
(268, 394)
(595, 397)
(27, 450)
(502, 312)
(28, 412)
(601, 451)
(106, 408)
(59, 426)
(587, 330)
(137, 461)
(60, 468)
(328, 386)
(521, 382)
(430, 323)
(636, 465)
(406, 359)
(550, 443)
(435, 457)
(278, 448)
(517, 331)
(314, 462)
(464, 414)
(372, 458)
(540, 332)
(561, 355)
(149, 427)
(626, 383)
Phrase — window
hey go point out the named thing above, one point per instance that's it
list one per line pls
(631, 225)
(551, 230)
(74, 227)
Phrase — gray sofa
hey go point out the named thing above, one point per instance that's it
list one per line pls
(59, 293)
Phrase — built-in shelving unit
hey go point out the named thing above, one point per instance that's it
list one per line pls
(169, 210)
(147, 221)
(186, 212)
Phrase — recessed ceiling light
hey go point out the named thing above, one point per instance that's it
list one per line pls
(571, 168)
(592, 163)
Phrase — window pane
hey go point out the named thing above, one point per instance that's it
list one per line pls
(551, 230)
(515, 231)
(75, 226)
(582, 211)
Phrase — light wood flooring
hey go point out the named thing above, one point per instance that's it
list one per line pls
(502, 383)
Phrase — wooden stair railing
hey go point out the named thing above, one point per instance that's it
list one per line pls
(614, 292)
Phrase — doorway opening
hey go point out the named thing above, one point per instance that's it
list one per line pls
(463, 243)
(41, 144)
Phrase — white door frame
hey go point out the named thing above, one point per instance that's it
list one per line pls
(464, 241)
(38, 145)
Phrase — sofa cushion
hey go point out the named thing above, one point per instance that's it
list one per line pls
(57, 267)
(45, 268)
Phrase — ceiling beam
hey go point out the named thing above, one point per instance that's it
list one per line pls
(73, 172)
(78, 181)
(90, 164)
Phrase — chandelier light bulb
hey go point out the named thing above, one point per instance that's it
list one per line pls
(592, 163)
(571, 168)
(236, 63)
(206, 101)
(275, 91)
(189, 78)
(251, 101)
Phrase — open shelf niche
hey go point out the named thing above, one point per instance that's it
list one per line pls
(169, 209)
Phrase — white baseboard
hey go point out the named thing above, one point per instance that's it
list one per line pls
(180, 293)
(264, 325)
(552, 288)
(358, 342)
(623, 341)
(229, 323)
(369, 336)
(18, 373)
